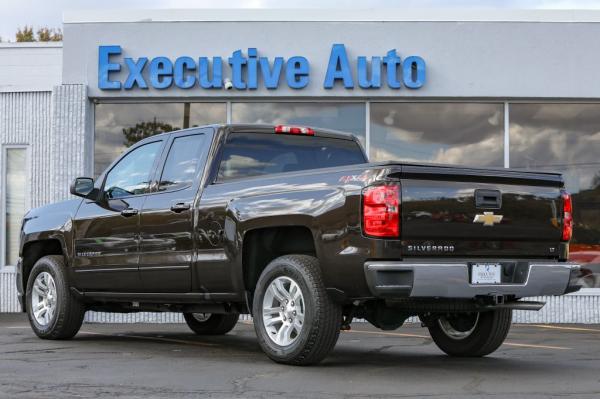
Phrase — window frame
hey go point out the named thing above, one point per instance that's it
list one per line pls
(4, 267)
(151, 175)
(203, 158)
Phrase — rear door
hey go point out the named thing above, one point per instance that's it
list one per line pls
(167, 218)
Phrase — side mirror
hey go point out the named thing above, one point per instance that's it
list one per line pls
(82, 186)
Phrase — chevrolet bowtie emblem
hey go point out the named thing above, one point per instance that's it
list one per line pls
(488, 218)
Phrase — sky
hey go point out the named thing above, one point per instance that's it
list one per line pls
(17, 13)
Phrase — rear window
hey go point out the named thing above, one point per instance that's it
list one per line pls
(255, 154)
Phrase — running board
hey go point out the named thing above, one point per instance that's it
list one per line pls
(518, 305)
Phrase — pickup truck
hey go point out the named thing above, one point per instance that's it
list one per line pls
(294, 226)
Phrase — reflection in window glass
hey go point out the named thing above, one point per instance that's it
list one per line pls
(448, 133)
(346, 117)
(118, 126)
(183, 162)
(131, 176)
(254, 154)
(565, 138)
(16, 183)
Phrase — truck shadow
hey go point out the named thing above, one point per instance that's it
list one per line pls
(380, 355)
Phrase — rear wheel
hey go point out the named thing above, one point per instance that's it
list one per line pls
(296, 322)
(210, 323)
(471, 334)
(54, 312)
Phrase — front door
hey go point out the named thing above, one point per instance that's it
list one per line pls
(107, 230)
(167, 218)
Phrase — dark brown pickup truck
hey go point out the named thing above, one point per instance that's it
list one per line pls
(295, 227)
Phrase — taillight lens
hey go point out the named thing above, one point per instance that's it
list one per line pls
(567, 227)
(294, 130)
(381, 211)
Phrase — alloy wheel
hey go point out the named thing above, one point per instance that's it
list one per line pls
(43, 299)
(283, 311)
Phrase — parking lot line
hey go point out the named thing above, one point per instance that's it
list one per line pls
(429, 337)
(389, 333)
(562, 348)
(170, 340)
(563, 328)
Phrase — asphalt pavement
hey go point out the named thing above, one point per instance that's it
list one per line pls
(168, 361)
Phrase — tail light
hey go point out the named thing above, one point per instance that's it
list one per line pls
(381, 211)
(284, 129)
(567, 227)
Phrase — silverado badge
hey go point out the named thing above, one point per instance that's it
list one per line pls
(488, 218)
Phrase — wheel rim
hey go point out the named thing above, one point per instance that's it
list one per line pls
(283, 311)
(43, 299)
(201, 317)
(458, 327)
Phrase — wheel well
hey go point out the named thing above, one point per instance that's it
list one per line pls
(261, 246)
(32, 251)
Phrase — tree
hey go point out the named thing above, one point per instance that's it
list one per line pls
(25, 34)
(46, 34)
(43, 34)
(145, 129)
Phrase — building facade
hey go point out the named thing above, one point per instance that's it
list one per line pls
(513, 89)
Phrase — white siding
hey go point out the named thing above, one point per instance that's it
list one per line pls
(25, 118)
(30, 66)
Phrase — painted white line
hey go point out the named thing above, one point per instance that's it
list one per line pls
(560, 348)
(389, 333)
(563, 328)
(149, 338)
(17, 327)
(429, 337)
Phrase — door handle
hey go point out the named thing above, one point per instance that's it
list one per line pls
(129, 212)
(180, 207)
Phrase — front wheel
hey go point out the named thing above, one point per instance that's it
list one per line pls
(471, 334)
(296, 322)
(54, 312)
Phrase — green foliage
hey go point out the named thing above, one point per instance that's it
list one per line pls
(46, 34)
(25, 34)
(43, 34)
(145, 129)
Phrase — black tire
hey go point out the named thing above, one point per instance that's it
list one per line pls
(489, 332)
(322, 317)
(215, 324)
(69, 311)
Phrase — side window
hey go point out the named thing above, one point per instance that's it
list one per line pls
(183, 162)
(131, 176)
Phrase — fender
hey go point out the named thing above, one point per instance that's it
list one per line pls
(52, 221)
(312, 208)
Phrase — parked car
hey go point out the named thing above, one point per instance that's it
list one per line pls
(294, 226)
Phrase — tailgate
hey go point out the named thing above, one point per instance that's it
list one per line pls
(448, 211)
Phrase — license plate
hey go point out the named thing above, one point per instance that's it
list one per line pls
(486, 273)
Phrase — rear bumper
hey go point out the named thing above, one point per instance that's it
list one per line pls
(401, 279)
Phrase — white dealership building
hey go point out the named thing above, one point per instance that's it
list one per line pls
(513, 89)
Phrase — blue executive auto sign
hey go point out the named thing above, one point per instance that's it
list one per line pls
(246, 71)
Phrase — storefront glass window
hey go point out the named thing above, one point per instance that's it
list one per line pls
(347, 117)
(118, 126)
(565, 138)
(449, 133)
(14, 199)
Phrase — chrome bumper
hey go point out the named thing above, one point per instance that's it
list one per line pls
(399, 279)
